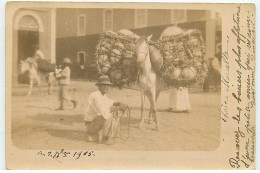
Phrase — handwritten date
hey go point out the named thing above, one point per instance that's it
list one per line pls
(66, 154)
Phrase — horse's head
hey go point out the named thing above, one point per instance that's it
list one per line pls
(23, 67)
(142, 48)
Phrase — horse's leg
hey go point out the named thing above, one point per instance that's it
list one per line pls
(157, 95)
(149, 95)
(152, 96)
(49, 82)
(142, 108)
(150, 114)
(30, 87)
(49, 88)
(38, 79)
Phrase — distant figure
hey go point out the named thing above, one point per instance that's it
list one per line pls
(216, 63)
(64, 82)
(206, 84)
(38, 53)
(82, 70)
(216, 66)
(101, 113)
(206, 79)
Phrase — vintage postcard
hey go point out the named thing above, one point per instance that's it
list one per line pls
(130, 85)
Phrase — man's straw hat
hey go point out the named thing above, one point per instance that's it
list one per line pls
(66, 61)
(104, 79)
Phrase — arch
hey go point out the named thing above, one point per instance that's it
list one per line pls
(30, 13)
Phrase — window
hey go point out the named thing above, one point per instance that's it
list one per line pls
(108, 20)
(81, 58)
(178, 16)
(81, 25)
(140, 18)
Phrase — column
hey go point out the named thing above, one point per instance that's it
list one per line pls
(15, 58)
(210, 34)
(53, 35)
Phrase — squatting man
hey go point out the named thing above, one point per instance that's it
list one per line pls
(102, 114)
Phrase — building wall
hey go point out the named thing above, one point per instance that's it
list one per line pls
(126, 18)
(158, 17)
(68, 44)
(66, 20)
(94, 26)
(196, 15)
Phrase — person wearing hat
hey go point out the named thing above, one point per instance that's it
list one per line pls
(100, 111)
(64, 82)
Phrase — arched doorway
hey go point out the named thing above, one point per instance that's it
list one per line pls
(28, 40)
(27, 34)
(28, 37)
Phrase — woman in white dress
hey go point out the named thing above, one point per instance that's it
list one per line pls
(179, 100)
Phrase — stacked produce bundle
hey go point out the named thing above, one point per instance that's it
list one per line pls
(45, 65)
(183, 56)
(115, 57)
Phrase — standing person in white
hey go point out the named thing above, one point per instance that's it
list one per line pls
(64, 82)
(179, 100)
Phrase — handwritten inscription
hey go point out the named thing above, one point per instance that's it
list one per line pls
(236, 28)
(225, 80)
(234, 162)
(225, 64)
(243, 88)
(66, 154)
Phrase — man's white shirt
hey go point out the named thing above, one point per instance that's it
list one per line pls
(98, 104)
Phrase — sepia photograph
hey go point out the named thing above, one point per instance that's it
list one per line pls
(119, 78)
(126, 73)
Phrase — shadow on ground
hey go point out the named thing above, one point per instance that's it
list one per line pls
(76, 135)
(61, 118)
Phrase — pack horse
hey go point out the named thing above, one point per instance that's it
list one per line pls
(36, 74)
(114, 57)
(147, 80)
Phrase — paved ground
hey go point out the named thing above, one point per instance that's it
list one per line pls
(37, 125)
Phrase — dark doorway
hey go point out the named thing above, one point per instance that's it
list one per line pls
(27, 40)
(81, 58)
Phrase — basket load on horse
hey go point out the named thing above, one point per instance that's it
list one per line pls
(181, 59)
(116, 57)
(45, 65)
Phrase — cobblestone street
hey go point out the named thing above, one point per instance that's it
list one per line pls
(37, 125)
